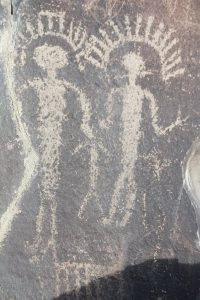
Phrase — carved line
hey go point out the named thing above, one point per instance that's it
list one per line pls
(98, 50)
(75, 35)
(30, 156)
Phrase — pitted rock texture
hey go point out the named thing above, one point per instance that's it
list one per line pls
(99, 106)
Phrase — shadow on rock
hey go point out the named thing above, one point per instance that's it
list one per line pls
(160, 280)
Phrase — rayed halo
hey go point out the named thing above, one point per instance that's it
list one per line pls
(98, 49)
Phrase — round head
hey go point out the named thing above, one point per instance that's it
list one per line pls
(134, 64)
(50, 58)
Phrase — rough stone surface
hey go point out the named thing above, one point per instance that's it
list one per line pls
(99, 106)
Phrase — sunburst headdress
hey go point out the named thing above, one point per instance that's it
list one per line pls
(98, 49)
(53, 24)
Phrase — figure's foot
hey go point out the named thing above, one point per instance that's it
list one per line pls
(120, 219)
(42, 242)
(38, 249)
(91, 196)
(107, 221)
(116, 222)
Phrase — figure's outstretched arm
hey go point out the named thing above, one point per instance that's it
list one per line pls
(94, 145)
(107, 120)
(86, 126)
(160, 130)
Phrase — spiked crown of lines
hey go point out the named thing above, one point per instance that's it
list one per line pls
(98, 50)
(53, 24)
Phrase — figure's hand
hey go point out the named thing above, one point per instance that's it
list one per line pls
(159, 130)
(179, 122)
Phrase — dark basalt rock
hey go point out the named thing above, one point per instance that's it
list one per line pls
(99, 106)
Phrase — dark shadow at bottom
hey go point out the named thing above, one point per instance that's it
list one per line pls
(159, 280)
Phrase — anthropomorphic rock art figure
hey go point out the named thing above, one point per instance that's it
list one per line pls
(51, 91)
(52, 110)
(75, 38)
(52, 105)
(99, 53)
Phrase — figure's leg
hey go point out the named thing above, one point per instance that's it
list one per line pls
(119, 186)
(129, 192)
(44, 239)
(93, 178)
(130, 200)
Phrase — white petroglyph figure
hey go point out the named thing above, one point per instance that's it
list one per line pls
(99, 53)
(52, 105)
(52, 108)
(52, 112)
(130, 135)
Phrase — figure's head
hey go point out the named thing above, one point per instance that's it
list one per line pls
(134, 64)
(50, 58)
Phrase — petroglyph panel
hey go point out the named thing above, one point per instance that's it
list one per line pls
(99, 127)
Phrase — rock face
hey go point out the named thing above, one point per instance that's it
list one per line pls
(99, 106)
